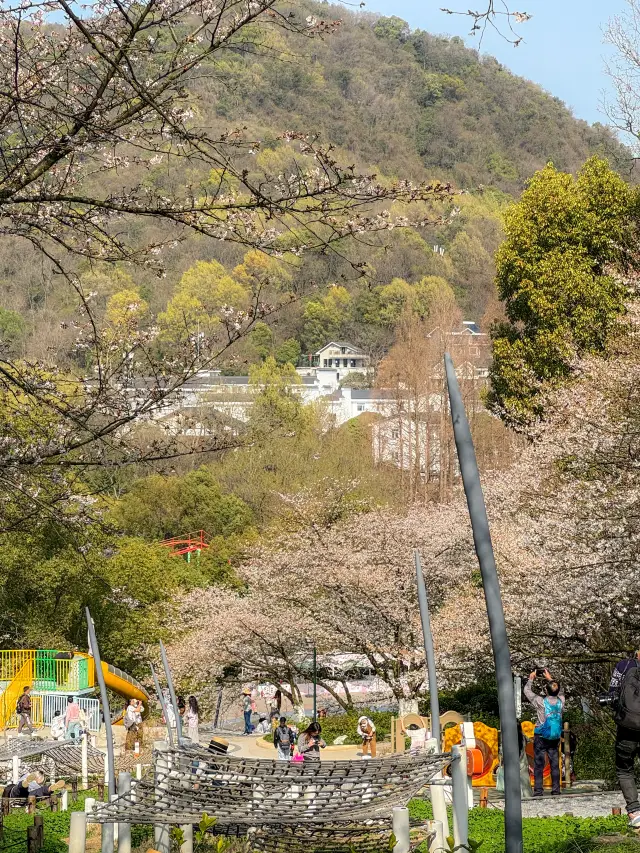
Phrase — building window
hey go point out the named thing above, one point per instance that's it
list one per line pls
(360, 407)
(353, 362)
(395, 456)
(395, 433)
(345, 362)
(330, 363)
(337, 377)
(325, 363)
(343, 350)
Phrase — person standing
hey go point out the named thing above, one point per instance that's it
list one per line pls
(283, 740)
(367, 732)
(310, 743)
(548, 730)
(133, 725)
(72, 719)
(624, 691)
(247, 707)
(192, 719)
(23, 709)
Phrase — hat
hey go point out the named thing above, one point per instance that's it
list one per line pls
(360, 719)
(246, 691)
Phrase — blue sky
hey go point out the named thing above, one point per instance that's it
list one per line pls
(563, 49)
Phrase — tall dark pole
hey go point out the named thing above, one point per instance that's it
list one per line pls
(163, 705)
(172, 692)
(423, 601)
(315, 684)
(495, 612)
(104, 699)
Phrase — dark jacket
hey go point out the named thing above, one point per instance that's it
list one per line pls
(621, 669)
(24, 703)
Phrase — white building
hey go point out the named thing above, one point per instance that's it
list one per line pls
(322, 375)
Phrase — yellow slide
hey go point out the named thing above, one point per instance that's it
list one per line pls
(124, 685)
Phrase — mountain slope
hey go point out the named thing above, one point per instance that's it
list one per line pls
(399, 103)
(408, 102)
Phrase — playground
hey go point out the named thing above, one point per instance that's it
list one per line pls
(442, 782)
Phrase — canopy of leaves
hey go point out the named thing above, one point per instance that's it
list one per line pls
(569, 243)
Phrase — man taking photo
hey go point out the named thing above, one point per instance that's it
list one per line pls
(547, 733)
(624, 691)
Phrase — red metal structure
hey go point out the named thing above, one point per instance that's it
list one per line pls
(186, 544)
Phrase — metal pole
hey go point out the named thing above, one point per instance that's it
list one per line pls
(315, 684)
(84, 760)
(78, 832)
(495, 612)
(161, 831)
(187, 835)
(459, 793)
(436, 843)
(124, 829)
(218, 706)
(162, 705)
(434, 701)
(400, 825)
(104, 699)
(172, 692)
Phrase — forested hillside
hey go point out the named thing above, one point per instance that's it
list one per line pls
(398, 103)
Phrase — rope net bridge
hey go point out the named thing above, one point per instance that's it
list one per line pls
(65, 757)
(344, 837)
(267, 795)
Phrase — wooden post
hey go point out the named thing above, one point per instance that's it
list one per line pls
(33, 840)
(567, 756)
(101, 790)
(53, 802)
(38, 822)
(31, 804)
(74, 788)
(484, 798)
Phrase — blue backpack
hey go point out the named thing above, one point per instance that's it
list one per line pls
(551, 729)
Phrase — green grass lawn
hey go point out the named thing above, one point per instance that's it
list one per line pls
(541, 835)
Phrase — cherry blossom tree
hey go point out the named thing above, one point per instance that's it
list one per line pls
(564, 520)
(343, 586)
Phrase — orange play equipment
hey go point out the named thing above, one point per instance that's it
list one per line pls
(482, 759)
(528, 731)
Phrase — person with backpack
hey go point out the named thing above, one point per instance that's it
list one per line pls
(547, 733)
(283, 740)
(624, 691)
(23, 710)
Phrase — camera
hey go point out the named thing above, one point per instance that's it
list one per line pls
(539, 671)
(605, 701)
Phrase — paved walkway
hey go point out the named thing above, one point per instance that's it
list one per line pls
(247, 745)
